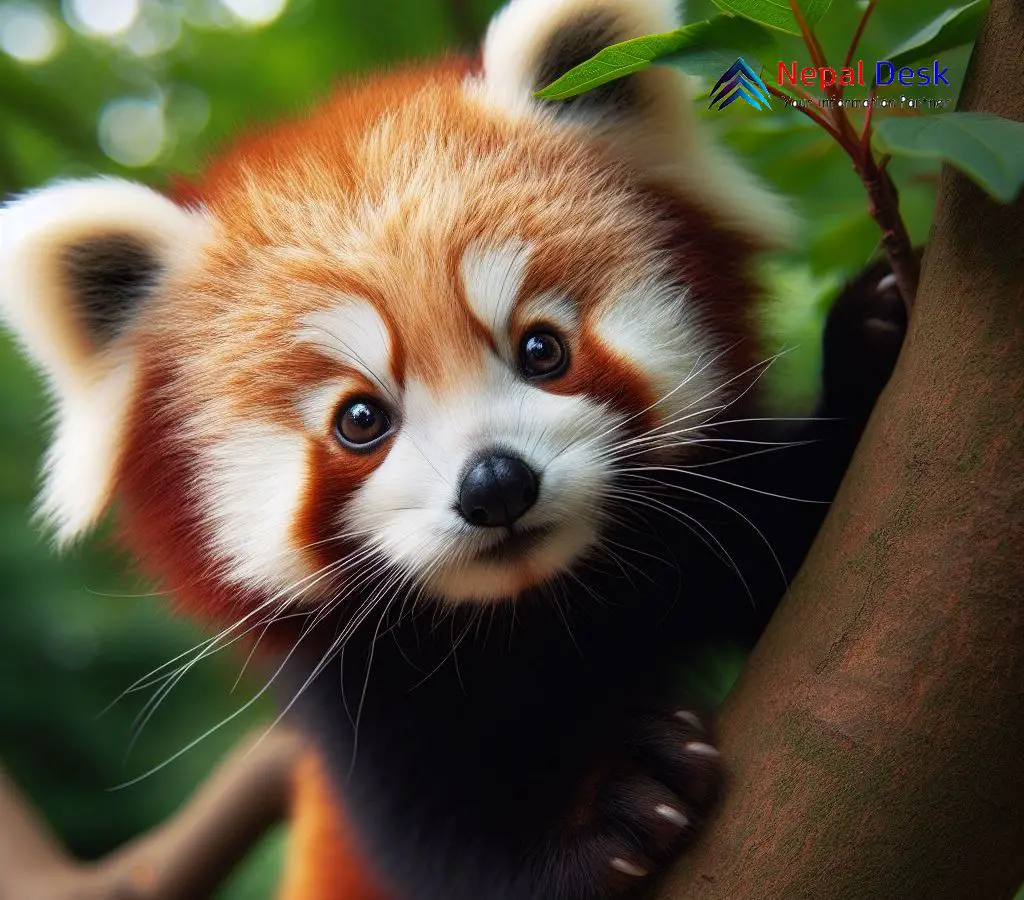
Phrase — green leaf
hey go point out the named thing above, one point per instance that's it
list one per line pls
(987, 148)
(612, 63)
(703, 48)
(712, 46)
(776, 13)
(954, 28)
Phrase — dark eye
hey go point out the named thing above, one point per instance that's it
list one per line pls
(361, 424)
(542, 354)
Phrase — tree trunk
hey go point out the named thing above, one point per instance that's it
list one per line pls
(875, 742)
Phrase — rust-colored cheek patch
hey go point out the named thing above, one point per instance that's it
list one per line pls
(333, 474)
(160, 515)
(599, 373)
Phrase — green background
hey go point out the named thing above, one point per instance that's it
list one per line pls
(77, 630)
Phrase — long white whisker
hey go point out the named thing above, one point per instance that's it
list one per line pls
(698, 528)
(147, 712)
(744, 487)
(213, 729)
(732, 509)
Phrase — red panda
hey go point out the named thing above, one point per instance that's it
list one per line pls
(427, 381)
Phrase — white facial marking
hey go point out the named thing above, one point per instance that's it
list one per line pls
(408, 506)
(652, 326)
(492, 278)
(552, 307)
(408, 503)
(318, 406)
(253, 484)
(353, 333)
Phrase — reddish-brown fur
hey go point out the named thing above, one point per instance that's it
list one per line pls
(324, 862)
(220, 348)
(269, 265)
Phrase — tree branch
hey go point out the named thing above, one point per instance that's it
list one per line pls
(884, 207)
(875, 740)
(187, 856)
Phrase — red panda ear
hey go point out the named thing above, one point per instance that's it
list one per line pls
(78, 262)
(530, 43)
(649, 117)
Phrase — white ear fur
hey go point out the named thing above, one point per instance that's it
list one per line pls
(78, 472)
(521, 35)
(660, 132)
(90, 370)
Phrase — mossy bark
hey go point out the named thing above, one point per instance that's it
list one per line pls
(875, 742)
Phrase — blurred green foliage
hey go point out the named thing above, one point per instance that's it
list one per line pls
(78, 630)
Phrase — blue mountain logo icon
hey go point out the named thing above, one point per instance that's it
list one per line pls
(740, 83)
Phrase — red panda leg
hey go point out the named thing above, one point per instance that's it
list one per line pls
(323, 861)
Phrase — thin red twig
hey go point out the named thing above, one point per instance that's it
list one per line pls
(813, 44)
(817, 54)
(840, 120)
(861, 25)
(883, 202)
(865, 133)
(812, 113)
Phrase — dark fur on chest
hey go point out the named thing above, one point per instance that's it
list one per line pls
(457, 738)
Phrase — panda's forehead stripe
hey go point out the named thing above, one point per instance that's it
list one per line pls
(492, 278)
(353, 333)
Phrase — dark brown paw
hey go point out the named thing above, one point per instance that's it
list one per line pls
(863, 337)
(657, 801)
(648, 804)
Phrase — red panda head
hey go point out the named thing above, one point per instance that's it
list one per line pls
(410, 333)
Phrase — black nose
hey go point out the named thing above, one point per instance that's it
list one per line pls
(497, 490)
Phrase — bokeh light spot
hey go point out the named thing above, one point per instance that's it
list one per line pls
(132, 131)
(28, 33)
(189, 109)
(105, 18)
(156, 30)
(256, 12)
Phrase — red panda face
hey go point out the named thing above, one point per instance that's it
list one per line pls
(413, 337)
(434, 368)
(485, 435)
